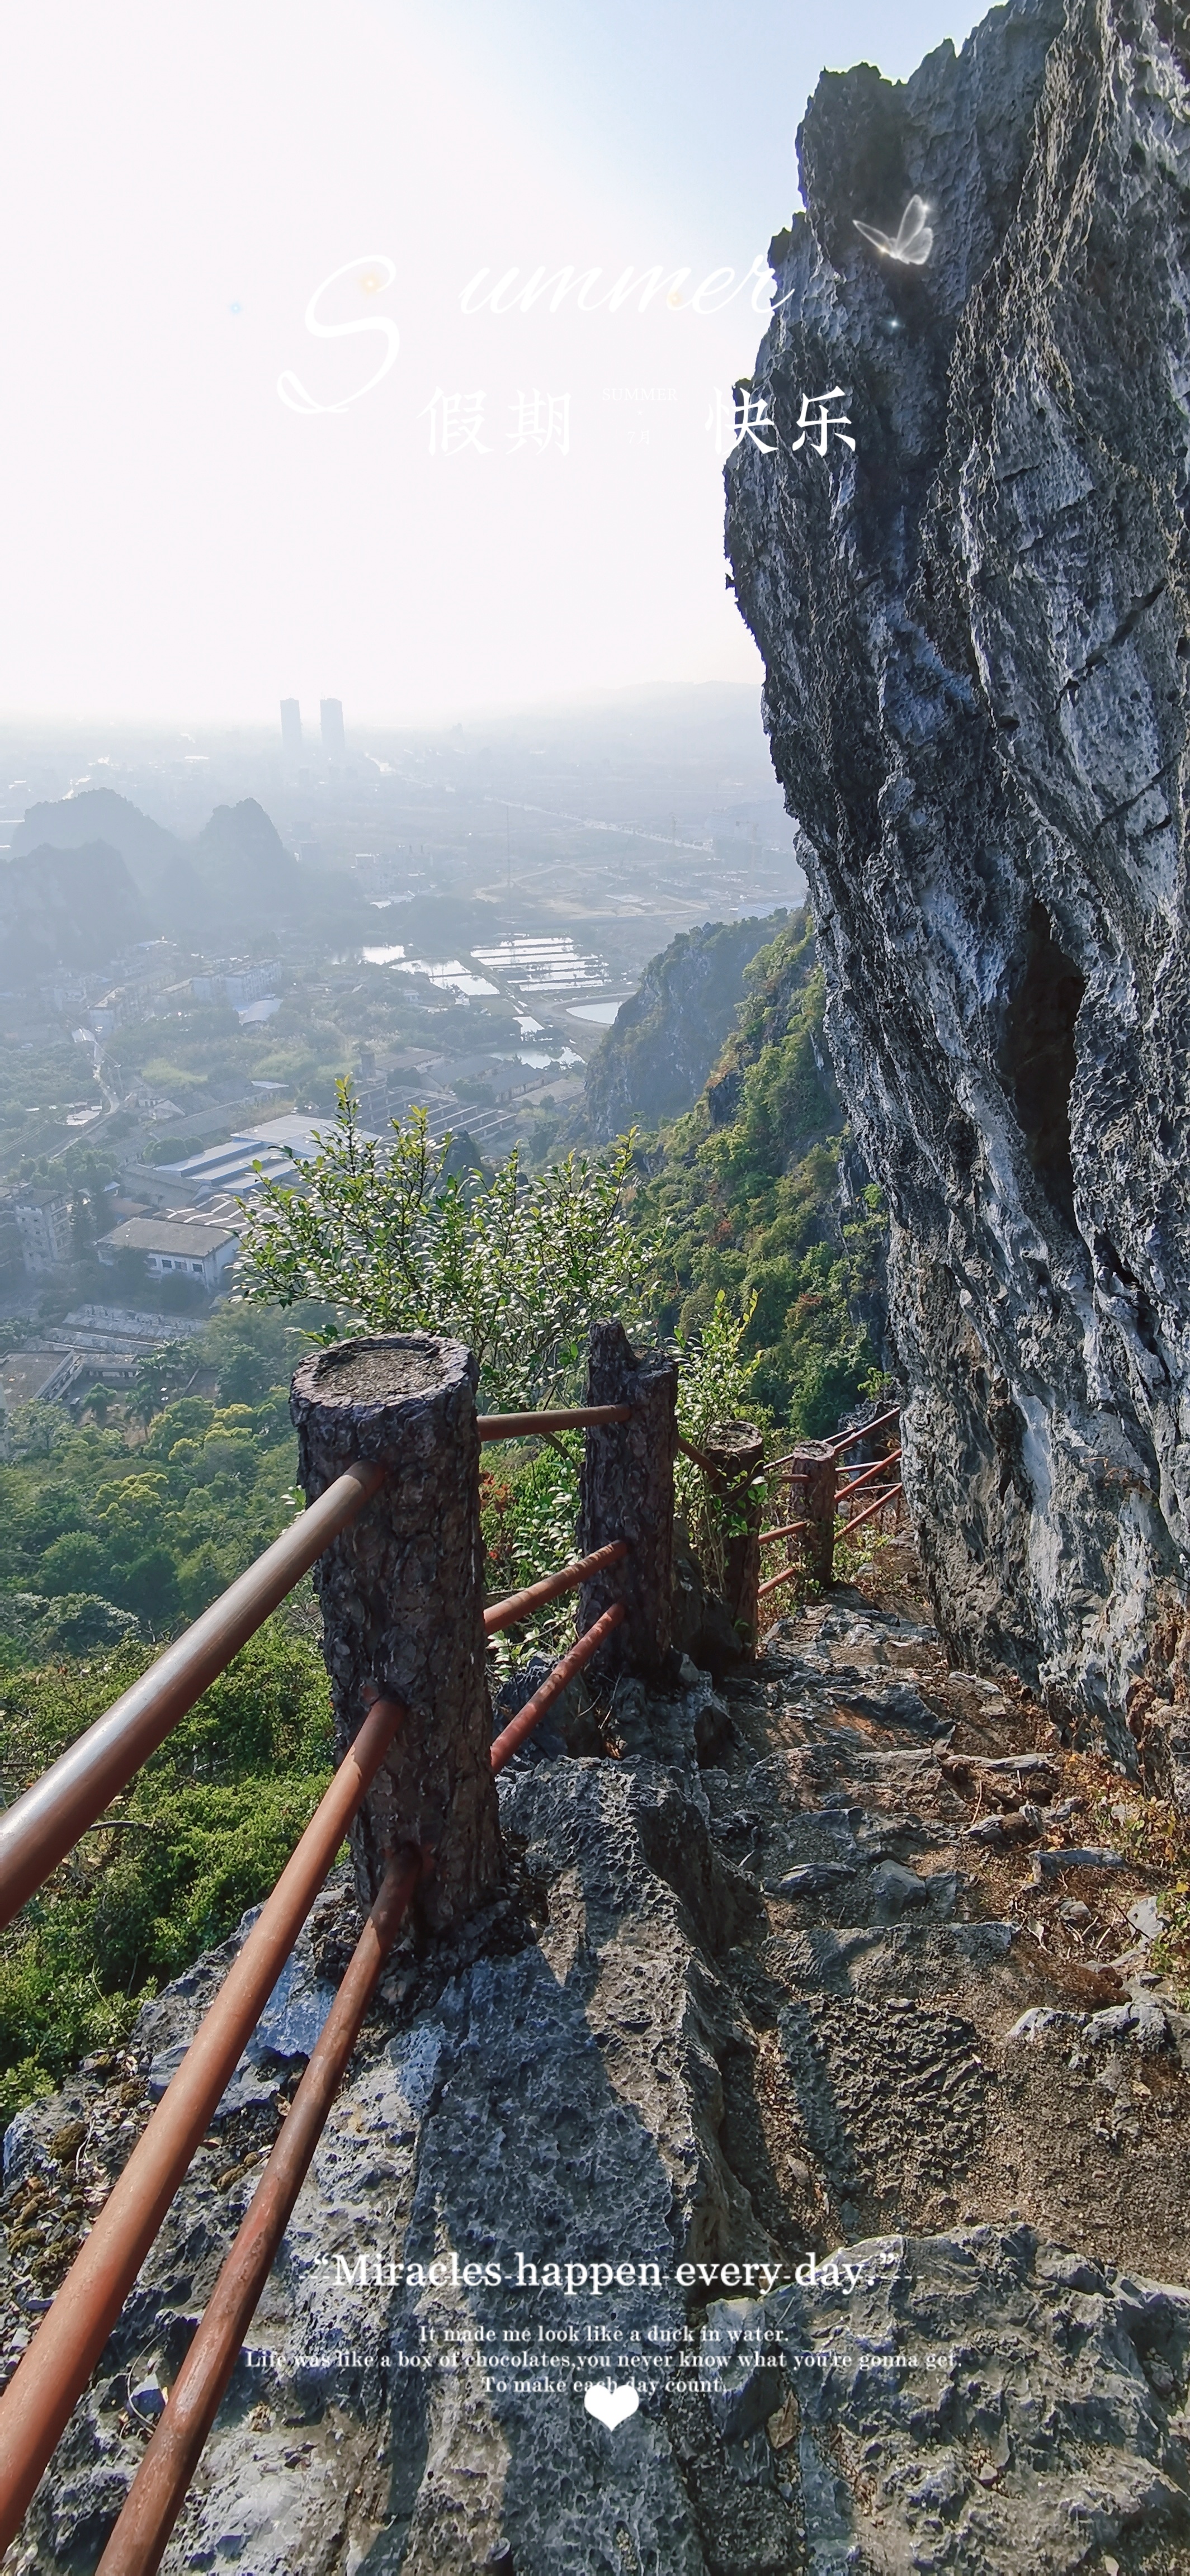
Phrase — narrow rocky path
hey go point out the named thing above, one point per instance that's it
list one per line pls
(986, 2044)
(870, 2105)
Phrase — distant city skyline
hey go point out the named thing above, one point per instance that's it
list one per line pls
(364, 383)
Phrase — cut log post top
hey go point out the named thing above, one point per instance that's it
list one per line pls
(402, 1601)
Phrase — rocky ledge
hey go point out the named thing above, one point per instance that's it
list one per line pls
(876, 2126)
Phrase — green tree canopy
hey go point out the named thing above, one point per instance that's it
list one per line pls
(394, 1241)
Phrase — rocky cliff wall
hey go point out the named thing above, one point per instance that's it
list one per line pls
(977, 633)
(664, 1041)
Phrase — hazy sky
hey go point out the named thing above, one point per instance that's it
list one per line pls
(202, 507)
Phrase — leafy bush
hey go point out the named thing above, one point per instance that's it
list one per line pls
(73, 1563)
(529, 1521)
(79, 1623)
(398, 1242)
(715, 1386)
(204, 1832)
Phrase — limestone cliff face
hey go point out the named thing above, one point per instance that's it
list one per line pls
(664, 1041)
(977, 635)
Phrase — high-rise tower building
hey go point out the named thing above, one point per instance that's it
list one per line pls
(332, 728)
(291, 728)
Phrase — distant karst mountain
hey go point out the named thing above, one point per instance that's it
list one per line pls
(156, 860)
(238, 869)
(66, 908)
(240, 857)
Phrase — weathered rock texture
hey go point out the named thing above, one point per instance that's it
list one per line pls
(656, 1056)
(402, 1601)
(725, 2014)
(977, 635)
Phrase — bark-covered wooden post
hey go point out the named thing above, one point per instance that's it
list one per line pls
(628, 1492)
(736, 1451)
(815, 1502)
(402, 1601)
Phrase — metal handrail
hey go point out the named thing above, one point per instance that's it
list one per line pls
(521, 1426)
(865, 1431)
(710, 1466)
(520, 1728)
(865, 1475)
(873, 1508)
(141, 2535)
(138, 2543)
(520, 1605)
(776, 1580)
(833, 1449)
(37, 1833)
(789, 1529)
(55, 2368)
(38, 1830)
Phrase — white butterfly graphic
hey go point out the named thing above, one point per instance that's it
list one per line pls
(913, 240)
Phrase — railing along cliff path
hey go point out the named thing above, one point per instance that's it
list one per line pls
(389, 1445)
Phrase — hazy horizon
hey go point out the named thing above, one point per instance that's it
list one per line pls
(267, 437)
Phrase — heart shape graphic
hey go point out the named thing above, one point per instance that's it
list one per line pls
(609, 2404)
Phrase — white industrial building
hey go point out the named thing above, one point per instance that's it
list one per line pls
(231, 1167)
(182, 1243)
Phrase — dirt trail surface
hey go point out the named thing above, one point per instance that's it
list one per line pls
(758, 1997)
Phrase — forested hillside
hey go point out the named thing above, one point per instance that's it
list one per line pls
(134, 1518)
(766, 1201)
(663, 1043)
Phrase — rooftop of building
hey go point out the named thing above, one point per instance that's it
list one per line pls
(183, 1231)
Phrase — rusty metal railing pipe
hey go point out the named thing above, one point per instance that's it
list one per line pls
(867, 1475)
(521, 1426)
(521, 1605)
(54, 2370)
(141, 2535)
(837, 1446)
(865, 1431)
(520, 1728)
(710, 1466)
(789, 1529)
(775, 1581)
(873, 1508)
(39, 1828)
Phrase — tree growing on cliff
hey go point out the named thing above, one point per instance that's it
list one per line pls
(394, 1241)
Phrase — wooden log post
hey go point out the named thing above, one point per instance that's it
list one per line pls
(736, 1451)
(627, 1491)
(402, 1602)
(816, 1502)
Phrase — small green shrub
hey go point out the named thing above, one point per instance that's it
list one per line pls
(204, 1831)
